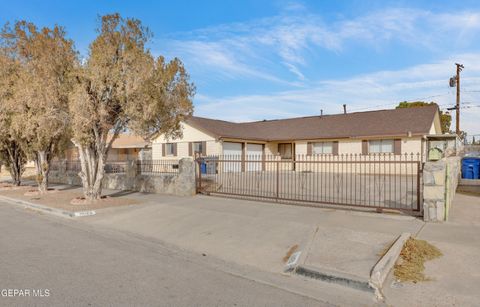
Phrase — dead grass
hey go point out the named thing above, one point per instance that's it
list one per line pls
(289, 253)
(412, 260)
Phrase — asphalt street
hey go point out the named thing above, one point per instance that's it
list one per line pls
(49, 261)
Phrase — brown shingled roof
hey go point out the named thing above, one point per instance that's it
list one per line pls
(394, 122)
(125, 140)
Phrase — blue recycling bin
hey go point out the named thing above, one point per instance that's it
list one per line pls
(203, 167)
(471, 168)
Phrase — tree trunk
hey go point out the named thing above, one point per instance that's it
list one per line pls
(93, 171)
(43, 169)
(16, 175)
(15, 161)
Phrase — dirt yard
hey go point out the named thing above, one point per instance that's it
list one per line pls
(63, 198)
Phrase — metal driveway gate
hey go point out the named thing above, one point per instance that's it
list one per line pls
(381, 181)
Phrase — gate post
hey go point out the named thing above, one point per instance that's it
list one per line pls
(185, 180)
(198, 170)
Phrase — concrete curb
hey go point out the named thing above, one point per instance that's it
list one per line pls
(383, 267)
(52, 211)
(341, 278)
(378, 274)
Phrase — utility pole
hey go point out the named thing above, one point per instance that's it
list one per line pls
(457, 107)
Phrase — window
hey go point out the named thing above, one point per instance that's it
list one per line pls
(285, 150)
(197, 147)
(169, 149)
(381, 146)
(322, 148)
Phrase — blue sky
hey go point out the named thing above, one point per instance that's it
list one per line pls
(255, 60)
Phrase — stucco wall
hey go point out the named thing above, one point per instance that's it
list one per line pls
(409, 145)
(190, 134)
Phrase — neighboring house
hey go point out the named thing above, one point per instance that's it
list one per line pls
(124, 147)
(395, 131)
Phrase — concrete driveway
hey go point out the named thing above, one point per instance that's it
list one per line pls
(261, 235)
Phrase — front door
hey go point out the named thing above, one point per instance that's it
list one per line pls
(287, 153)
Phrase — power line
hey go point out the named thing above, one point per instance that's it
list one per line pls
(396, 103)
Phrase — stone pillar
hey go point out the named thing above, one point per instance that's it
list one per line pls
(130, 174)
(434, 174)
(440, 179)
(185, 181)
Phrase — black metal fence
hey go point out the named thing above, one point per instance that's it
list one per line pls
(384, 181)
(152, 167)
(144, 167)
(73, 166)
(115, 167)
(55, 166)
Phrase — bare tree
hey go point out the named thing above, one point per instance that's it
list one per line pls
(121, 86)
(12, 154)
(42, 90)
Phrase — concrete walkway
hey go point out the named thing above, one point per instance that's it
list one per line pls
(261, 234)
(456, 275)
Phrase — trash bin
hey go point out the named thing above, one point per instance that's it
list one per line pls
(471, 168)
(203, 167)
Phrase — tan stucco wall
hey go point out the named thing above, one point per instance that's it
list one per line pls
(436, 125)
(409, 145)
(190, 134)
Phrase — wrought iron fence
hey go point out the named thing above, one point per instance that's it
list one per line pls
(152, 167)
(384, 181)
(115, 167)
(73, 166)
(55, 166)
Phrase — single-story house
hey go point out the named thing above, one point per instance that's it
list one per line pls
(394, 131)
(125, 147)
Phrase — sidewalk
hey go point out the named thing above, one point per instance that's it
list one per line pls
(455, 275)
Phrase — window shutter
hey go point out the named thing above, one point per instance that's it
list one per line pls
(397, 146)
(364, 147)
(309, 148)
(204, 148)
(190, 149)
(335, 148)
(174, 149)
(164, 150)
